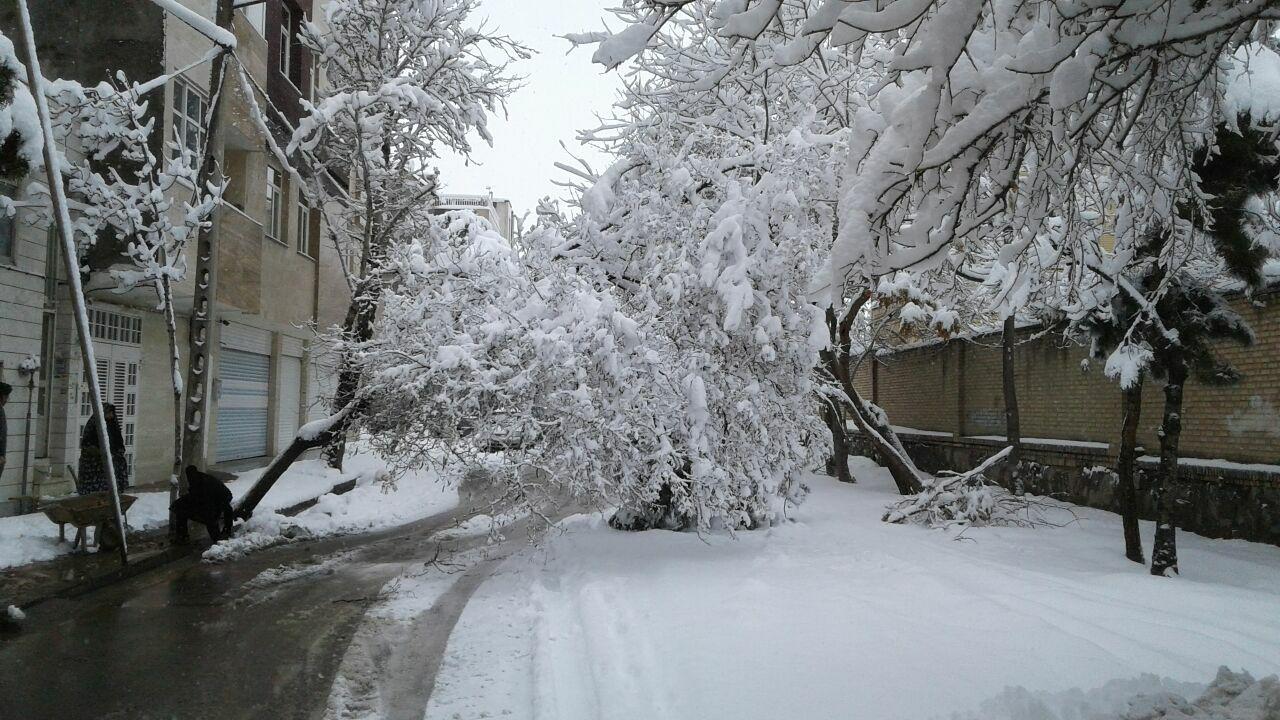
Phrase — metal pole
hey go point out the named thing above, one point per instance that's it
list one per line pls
(26, 440)
(57, 193)
(203, 308)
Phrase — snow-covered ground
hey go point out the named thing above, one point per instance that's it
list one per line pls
(839, 615)
(372, 505)
(30, 538)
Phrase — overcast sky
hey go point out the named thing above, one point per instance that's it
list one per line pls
(562, 94)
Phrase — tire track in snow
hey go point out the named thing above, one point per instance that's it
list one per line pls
(1052, 614)
(1107, 603)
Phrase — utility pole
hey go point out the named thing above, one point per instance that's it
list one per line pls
(203, 311)
(62, 220)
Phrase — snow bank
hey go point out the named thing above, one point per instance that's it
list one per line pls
(375, 503)
(32, 538)
(839, 615)
(482, 524)
(1231, 696)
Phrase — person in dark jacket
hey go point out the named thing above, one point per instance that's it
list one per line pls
(5, 390)
(208, 502)
(93, 467)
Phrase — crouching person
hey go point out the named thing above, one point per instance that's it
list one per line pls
(208, 502)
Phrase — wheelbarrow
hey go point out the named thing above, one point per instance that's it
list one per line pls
(82, 511)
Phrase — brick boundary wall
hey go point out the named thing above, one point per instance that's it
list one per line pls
(948, 400)
(1214, 502)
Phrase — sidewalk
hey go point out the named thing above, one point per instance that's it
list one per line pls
(35, 565)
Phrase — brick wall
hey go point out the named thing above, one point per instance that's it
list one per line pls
(955, 387)
(1071, 419)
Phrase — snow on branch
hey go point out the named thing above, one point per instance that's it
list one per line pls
(220, 36)
(967, 499)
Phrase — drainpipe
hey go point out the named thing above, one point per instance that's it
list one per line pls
(28, 368)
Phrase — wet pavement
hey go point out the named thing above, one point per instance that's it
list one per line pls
(200, 640)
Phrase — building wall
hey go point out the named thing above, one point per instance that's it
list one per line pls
(262, 284)
(154, 459)
(22, 304)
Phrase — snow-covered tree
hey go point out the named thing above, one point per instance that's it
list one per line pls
(394, 98)
(683, 410)
(1026, 121)
(139, 200)
(423, 83)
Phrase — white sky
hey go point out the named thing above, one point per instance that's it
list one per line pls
(562, 94)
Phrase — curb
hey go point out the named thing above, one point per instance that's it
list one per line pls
(161, 558)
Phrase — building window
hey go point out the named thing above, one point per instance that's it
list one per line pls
(114, 327)
(303, 221)
(257, 17)
(286, 39)
(275, 204)
(8, 225)
(189, 111)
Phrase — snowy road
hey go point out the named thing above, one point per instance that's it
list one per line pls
(841, 616)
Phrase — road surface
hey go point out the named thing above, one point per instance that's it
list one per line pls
(198, 640)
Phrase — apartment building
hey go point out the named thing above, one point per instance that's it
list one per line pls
(270, 270)
(496, 210)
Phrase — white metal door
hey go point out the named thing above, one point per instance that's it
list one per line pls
(242, 404)
(288, 399)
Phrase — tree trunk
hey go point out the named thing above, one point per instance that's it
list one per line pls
(175, 377)
(357, 329)
(244, 508)
(838, 462)
(1126, 485)
(872, 425)
(887, 446)
(1164, 549)
(1013, 432)
(306, 439)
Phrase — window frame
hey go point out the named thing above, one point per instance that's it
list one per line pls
(181, 120)
(302, 214)
(274, 227)
(285, 64)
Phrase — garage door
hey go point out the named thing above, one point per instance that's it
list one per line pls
(242, 405)
(288, 399)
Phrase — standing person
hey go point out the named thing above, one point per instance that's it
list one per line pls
(5, 390)
(93, 468)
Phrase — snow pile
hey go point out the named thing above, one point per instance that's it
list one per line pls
(32, 538)
(241, 545)
(1231, 696)
(376, 502)
(15, 614)
(837, 615)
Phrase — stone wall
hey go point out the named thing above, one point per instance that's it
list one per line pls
(1214, 501)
